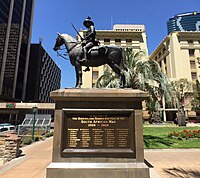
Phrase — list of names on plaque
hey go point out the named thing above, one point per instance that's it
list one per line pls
(98, 132)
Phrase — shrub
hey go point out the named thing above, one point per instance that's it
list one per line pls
(49, 134)
(27, 141)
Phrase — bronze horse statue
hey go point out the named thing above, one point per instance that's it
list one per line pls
(97, 56)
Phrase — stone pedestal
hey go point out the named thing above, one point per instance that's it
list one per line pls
(98, 133)
(9, 147)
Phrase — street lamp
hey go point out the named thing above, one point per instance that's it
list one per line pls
(35, 110)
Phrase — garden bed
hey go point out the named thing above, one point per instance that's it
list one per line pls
(185, 135)
(158, 137)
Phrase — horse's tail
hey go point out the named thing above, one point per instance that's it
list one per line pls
(123, 62)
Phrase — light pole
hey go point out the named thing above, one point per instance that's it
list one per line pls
(35, 110)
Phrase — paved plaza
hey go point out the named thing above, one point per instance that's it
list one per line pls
(32, 164)
(175, 163)
(169, 163)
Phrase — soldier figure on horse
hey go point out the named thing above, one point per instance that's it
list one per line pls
(86, 54)
(89, 41)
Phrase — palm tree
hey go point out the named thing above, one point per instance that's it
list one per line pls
(142, 74)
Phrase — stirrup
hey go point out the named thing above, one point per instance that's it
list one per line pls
(83, 60)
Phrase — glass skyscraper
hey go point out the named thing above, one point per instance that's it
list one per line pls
(16, 18)
(184, 22)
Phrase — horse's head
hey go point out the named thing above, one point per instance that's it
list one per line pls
(59, 42)
(66, 39)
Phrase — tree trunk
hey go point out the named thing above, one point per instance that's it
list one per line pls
(181, 119)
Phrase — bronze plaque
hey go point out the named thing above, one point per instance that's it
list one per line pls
(107, 134)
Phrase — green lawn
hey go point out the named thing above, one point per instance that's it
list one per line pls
(156, 137)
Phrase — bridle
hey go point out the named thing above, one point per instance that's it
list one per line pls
(68, 50)
(62, 55)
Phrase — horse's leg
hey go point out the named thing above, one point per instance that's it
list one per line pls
(78, 69)
(118, 71)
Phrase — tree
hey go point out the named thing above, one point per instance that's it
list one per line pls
(142, 74)
(196, 99)
(153, 106)
(182, 89)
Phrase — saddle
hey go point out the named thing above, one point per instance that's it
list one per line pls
(100, 49)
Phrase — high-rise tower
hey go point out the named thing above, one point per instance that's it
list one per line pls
(184, 22)
(16, 17)
(44, 75)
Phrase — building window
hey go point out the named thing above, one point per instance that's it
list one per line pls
(129, 40)
(118, 40)
(106, 40)
(163, 50)
(194, 75)
(192, 65)
(95, 75)
(165, 66)
(190, 41)
(191, 52)
(160, 64)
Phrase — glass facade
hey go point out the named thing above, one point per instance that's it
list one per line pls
(17, 46)
(41, 80)
(23, 52)
(184, 22)
(4, 13)
(11, 57)
(4, 10)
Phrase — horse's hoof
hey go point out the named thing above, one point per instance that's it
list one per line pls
(78, 86)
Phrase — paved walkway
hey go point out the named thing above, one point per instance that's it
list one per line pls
(33, 164)
(168, 163)
(175, 163)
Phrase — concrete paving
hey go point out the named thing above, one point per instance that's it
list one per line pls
(33, 164)
(175, 163)
(170, 163)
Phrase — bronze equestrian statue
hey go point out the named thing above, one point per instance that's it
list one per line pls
(88, 53)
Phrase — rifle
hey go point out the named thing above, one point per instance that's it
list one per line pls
(77, 32)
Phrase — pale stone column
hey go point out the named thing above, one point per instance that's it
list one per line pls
(28, 52)
(164, 111)
(139, 136)
(19, 48)
(57, 135)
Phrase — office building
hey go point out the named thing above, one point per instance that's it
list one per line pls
(16, 17)
(184, 22)
(177, 56)
(44, 75)
(124, 35)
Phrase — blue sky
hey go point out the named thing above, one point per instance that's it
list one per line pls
(51, 17)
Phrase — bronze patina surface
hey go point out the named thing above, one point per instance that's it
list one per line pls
(108, 133)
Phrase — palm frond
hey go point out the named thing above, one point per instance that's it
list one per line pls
(142, 74)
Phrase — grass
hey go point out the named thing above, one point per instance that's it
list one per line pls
(157, 137)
